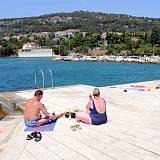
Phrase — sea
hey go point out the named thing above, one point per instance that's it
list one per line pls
(19, 73)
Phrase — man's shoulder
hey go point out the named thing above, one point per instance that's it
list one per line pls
(39, 104)
(34, 102)
(28, 100)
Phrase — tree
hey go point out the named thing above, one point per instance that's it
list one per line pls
(155, 36)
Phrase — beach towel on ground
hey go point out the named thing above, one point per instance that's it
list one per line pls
(138, 86)
(136, 89)
(44, 128)
(142, 88)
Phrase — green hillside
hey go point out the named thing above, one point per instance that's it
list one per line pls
(85, 21)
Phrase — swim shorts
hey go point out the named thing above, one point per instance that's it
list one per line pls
(29, 123)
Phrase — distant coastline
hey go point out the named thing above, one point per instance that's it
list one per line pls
(106, 58)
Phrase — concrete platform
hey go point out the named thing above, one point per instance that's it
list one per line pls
(132, 133)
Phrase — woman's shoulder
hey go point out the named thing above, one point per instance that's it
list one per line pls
(101, 99)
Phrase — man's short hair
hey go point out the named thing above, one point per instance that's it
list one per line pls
(38, 93)
(96, 92)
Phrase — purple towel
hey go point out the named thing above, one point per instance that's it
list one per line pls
(44, 128)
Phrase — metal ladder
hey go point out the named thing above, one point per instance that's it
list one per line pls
(43, 77)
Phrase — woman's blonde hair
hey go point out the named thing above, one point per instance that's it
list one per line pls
(96, 92)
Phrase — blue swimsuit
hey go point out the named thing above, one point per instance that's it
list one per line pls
(97, 118)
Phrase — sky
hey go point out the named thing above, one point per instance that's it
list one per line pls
(28, 8)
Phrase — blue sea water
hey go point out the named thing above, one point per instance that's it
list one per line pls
(18, 73)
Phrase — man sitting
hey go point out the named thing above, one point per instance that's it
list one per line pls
(33, 117)
(33, 107)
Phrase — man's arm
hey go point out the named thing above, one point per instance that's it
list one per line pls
(43, 109)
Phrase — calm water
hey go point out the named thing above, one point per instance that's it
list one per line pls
(18, 73)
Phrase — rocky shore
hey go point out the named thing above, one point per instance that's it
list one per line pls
(123, 59)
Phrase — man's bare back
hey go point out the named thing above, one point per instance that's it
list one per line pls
(32, 110)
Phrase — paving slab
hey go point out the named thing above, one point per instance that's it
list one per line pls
(132, 132)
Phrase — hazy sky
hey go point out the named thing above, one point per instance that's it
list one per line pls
(27, 8)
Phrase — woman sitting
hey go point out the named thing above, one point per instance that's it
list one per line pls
(96, 110)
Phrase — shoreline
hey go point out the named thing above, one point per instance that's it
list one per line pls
(75, 59)
(111, 61)
(97, 59)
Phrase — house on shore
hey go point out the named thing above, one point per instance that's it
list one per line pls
(31, 49)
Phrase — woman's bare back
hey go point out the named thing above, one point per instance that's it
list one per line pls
(100, 105)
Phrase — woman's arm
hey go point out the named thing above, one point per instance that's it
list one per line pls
(88, 106)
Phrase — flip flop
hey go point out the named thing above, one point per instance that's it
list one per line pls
(73, 128)
(73, 115)
(70, 115)
(67, 115)
(76, 110)
(53, 114)
(78, 126)
(29, 137)
(38, 137)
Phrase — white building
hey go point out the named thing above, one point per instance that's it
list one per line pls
(30, 49)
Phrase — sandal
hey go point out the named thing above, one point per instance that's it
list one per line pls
(67, 115)
(38, 137)
(73, 115)
(78, 126)
(70, 115)
(73, 128)
(29, 137)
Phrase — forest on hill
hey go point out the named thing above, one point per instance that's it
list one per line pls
(92, 22)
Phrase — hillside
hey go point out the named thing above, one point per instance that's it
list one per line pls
(85, 21)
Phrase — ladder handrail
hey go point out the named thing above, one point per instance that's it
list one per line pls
(51, 75)
(35, 77)
(43, 77)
